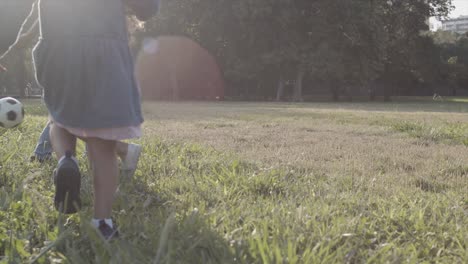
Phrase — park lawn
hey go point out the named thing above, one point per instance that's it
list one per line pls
(240, 182)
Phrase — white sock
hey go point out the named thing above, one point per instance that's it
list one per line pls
(95, 222)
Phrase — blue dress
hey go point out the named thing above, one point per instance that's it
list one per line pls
(84, 64)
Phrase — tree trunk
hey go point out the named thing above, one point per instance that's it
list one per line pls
(2, 87)
(387, 92)
(21, 75)
(280, 90)
(371, 91)
(174, 85)
(298, 86)
(388, 82)
(335, 94)
(335, 89)
(349, 94)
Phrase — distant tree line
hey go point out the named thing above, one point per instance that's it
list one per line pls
(295, 49)
(452, 49)
(340, 49)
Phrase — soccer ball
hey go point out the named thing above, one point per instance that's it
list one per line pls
(11, 112)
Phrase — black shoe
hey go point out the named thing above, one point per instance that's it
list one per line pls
(67, 181)
(106, 231)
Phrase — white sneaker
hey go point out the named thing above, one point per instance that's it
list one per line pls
(130, 163)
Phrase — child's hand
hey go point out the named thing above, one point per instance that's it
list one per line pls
(143, 9)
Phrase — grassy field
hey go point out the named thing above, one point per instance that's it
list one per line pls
(259, 183)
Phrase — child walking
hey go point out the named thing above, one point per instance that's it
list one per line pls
(128, 153)
(84, 65)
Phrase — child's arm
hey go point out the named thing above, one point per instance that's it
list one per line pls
(143, 9)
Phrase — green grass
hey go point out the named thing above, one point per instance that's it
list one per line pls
(191, 204)
(460, 99)
(457, 133)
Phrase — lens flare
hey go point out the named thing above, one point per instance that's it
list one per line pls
(177, 68)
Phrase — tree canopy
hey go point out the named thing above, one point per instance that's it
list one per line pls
(287, 48)
(341, 44)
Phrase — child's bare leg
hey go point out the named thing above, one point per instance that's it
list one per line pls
(102, 154)
(129, 154)
(67, 176)
(62, 141)
(121, 149)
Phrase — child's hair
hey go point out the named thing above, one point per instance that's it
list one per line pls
(143, 9)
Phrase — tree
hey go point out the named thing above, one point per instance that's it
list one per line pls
(401, 24)
(264, 44)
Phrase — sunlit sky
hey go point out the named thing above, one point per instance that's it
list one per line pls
(461, 9)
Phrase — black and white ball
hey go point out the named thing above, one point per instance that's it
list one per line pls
(11, 112)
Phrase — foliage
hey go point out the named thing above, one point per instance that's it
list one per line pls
(347, 43)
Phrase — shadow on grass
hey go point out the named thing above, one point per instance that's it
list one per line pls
(152, 230)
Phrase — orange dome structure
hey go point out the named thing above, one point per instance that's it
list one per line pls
(178, 68)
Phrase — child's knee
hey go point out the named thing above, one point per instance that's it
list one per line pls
(99, 146)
